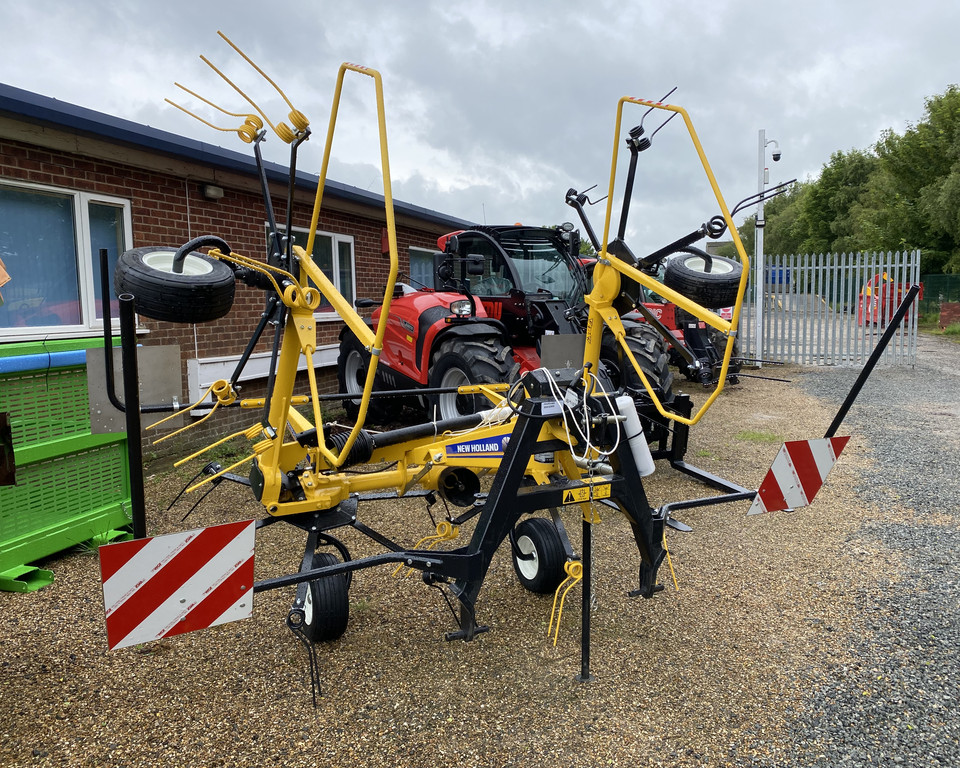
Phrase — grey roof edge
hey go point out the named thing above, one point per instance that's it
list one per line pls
(44, 109)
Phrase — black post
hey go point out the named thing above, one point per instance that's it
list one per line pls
(131, 396)
(587, 586)
(874, 358)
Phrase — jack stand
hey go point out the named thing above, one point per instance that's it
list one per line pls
(586, 586)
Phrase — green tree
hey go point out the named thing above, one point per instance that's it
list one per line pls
(914, 199)
(902, 194)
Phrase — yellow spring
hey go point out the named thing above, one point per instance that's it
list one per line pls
(446, 531)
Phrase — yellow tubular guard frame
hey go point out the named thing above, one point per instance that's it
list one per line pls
(609, 268)
(342, 307)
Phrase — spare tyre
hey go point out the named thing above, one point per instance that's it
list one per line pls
(687, 274)
(203, 291)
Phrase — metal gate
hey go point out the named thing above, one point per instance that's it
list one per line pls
(830, 309)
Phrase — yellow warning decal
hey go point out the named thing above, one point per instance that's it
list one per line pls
(580, 495)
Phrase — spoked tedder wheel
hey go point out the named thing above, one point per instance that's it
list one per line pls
(540, 564)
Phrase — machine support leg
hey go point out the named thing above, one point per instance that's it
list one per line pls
(874, 357)
(587, 586)
(131, 396)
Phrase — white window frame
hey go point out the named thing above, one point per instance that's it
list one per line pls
(329, 315)
(89, 322)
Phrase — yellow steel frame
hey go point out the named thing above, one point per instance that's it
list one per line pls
(421, 461)
(609, 269)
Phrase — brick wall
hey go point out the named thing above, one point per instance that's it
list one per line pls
(949, 313)
(168, 209)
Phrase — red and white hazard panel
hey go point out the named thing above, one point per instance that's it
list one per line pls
(798, 472)
(168, 585)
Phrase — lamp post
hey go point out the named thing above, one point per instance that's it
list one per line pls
(758, 288)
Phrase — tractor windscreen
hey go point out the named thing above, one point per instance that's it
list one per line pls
(543, 265)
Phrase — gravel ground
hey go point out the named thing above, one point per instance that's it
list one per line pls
(894, 702)
(826, 636)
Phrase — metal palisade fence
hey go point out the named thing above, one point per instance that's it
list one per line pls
(830, 309)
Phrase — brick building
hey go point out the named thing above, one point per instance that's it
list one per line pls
(73, 181)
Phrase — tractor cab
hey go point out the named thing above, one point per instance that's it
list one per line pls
(528, 278)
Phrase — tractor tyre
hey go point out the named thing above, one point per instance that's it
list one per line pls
(459, 361)
(202, 292)
(714, 289)
(650, 351)
(326, 609)
(543, 572)
(353, 361)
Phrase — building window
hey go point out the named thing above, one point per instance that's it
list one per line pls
(334, 256)
(421, 268)
(50, 241)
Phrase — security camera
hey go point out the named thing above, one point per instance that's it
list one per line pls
(776, 155)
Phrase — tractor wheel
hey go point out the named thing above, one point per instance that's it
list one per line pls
(202, 292)
(716, 288)
(352, 364)
(650, 351)
(543, 572)
(459, 361)
(327, 606)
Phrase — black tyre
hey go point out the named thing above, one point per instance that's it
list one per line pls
(326, 609)
(201, 293)
(459, 361)
(714, 289)
(352, 364)
(542, 571)
(650, 351)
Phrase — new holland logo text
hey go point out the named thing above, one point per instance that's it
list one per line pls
(479, 447)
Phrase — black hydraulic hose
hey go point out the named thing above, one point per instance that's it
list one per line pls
(198, 242)
(108, 332)
(277, 244)
(628, 189)
(573, 199)
(676, 245)
(417, 431)
(291, 185)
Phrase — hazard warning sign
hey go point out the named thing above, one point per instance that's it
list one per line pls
(798, 472)
(167, 585)
(586, 493)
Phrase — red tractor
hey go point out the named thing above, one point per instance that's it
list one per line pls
(501, 290)
(498, 292)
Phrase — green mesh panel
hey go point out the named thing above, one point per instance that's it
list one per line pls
(46, 405)
(51, 492)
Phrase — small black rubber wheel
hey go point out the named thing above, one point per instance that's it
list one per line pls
(201, 293)
(714, 289)
(459, 361)
(326, 609)
(543, 571)
(353, 361)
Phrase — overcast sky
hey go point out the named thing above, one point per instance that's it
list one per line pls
(495, 108)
